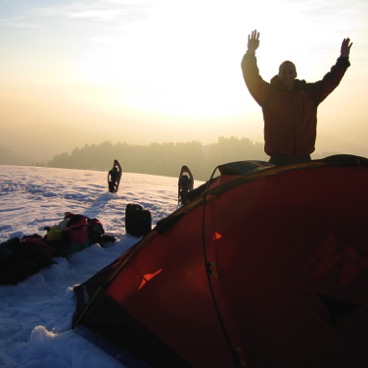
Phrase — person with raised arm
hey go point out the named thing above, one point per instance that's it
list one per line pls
(289, 105)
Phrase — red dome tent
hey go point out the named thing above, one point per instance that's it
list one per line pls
(267, 267)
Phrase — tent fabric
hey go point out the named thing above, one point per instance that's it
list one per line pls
(263, 269)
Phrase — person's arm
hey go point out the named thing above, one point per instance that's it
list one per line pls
(333, 78)
(257, 87)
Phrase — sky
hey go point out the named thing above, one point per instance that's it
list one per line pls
(141, 71)
(36, 314)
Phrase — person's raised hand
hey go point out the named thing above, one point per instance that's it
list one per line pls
(253, 41)
(345, 47)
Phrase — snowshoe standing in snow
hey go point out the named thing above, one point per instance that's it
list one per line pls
(185, 184)
(114, 176)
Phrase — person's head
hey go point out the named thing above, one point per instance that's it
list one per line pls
(287, 73)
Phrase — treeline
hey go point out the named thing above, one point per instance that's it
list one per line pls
(161, 158)
(8, 157)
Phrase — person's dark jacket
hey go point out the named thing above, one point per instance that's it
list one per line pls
(290, 116)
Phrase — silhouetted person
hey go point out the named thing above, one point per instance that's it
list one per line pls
(289, 105)
(114, 176)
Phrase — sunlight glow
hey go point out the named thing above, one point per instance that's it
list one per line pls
(170, 66)
(156, 66)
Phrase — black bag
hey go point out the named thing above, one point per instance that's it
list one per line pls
(22, 257)
(138, 220)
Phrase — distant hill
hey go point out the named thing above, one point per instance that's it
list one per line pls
(327, 145)
(8, 157)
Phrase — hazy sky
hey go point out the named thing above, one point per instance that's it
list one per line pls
(141, 71)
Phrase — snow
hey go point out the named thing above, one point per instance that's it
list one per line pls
(36, 314)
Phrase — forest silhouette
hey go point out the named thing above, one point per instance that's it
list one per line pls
(163, 159)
